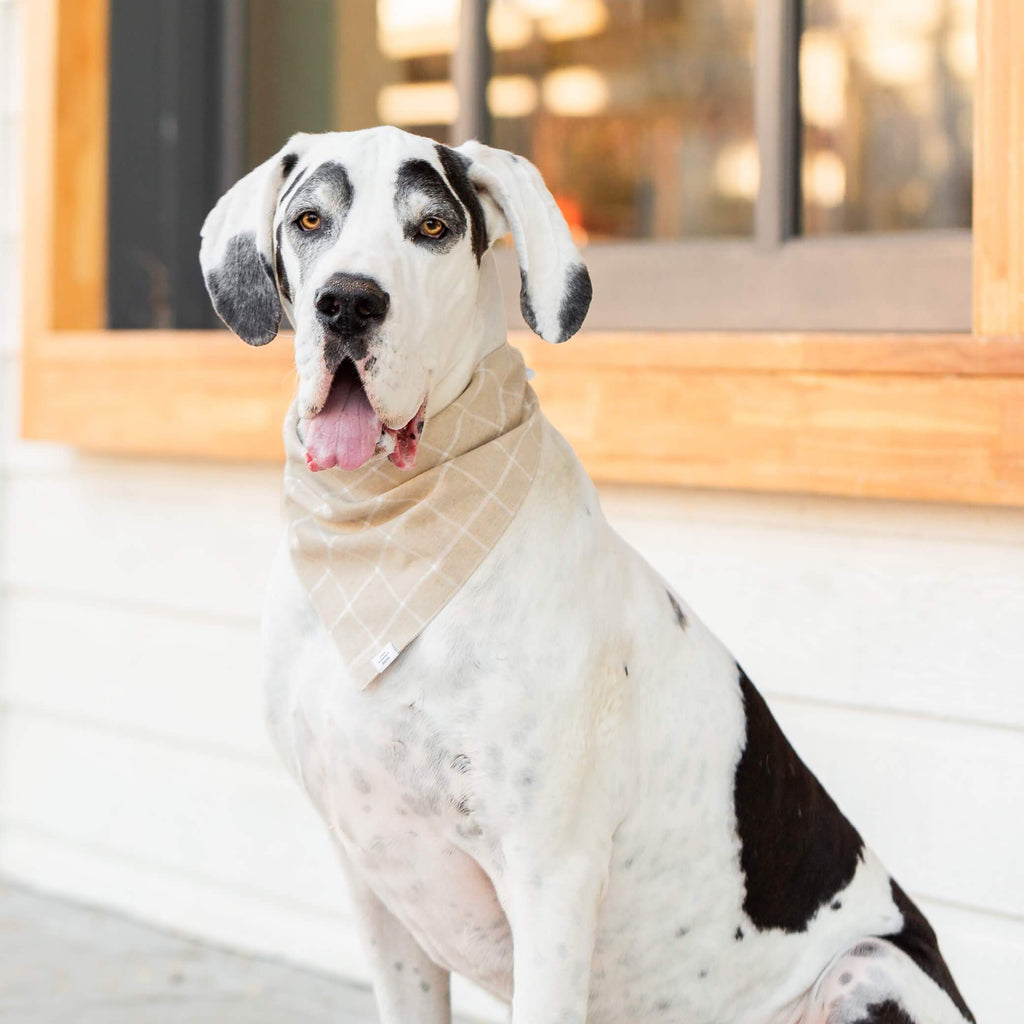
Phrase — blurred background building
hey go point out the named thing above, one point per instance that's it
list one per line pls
(732, 166)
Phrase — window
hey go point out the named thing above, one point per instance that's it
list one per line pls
(759, 196)
(640, 116)
(886, 96)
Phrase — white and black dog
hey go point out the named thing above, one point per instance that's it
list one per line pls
(565, 788)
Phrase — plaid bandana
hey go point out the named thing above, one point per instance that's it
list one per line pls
(382, 550)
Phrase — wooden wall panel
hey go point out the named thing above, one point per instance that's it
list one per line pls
(752, 412)
(878, 435)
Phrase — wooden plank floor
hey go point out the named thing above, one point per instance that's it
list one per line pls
(60, 962)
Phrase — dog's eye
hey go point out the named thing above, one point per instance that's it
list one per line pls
(433, 228)
(309, 221)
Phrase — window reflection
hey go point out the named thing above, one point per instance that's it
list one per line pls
(886, 90)
(639, 113)
(342, 65)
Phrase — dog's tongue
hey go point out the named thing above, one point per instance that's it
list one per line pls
(346, 430)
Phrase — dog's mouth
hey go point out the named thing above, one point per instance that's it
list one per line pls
(347, 432)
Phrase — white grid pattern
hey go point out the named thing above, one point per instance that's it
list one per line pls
(381, 550)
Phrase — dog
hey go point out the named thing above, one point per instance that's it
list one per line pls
(562, 786)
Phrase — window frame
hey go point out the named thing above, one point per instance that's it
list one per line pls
(918, 415)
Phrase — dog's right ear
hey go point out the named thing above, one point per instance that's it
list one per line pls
(556, 291)
(237, 250)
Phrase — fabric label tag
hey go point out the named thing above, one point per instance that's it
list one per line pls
(384, 657)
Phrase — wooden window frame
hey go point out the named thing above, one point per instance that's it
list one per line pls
(922, 416)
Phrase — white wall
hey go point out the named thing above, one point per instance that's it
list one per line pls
(134, 770)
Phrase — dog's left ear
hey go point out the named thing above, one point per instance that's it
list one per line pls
(237, 250)
(556, 291)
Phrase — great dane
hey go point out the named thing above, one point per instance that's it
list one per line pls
(564, 788)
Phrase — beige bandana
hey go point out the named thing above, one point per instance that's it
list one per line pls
(382, 550)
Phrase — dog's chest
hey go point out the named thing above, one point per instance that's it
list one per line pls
(399, 790)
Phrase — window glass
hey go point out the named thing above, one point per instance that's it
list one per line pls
(202, 92)
(886, 92)
(342, 65)
(639, 115)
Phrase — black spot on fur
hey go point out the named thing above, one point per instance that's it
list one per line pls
(328, 190)
(845, 978)
(917, 939)
(330, 173)
(243, 293)
(866, 950)
(625, 668)
(703, 973)
(455, 167)
(575, 301)
(288, 162)
(681, 932)
(424, 986)
(739, 935)
(291, 188)
(887, 1012)
(268, 269)
(676, 610)
(524, 302)
(836, 905)
(796, 848)
(422, 178)
(282, 274)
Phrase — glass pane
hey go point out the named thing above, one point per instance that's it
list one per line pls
(196, 100)
(342, 65)
(639, 113)
(886, 92)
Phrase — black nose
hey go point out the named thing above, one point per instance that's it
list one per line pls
(349, 305)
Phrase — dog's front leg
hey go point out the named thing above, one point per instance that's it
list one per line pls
(552, 908)
(407, 984)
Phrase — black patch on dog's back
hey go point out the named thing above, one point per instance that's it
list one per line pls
(796, 848)
(917, 939)
(455, 166)
(243, 291)
(575, 301)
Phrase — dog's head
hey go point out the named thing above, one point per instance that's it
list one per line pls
(376, 244)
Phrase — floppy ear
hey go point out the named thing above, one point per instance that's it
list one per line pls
(237, 250)
(556, 291)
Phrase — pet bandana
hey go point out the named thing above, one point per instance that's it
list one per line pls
(381, 550)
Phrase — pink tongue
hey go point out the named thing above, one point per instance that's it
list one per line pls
(345, 432)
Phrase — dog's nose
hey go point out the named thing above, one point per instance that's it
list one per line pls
(349, 304)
